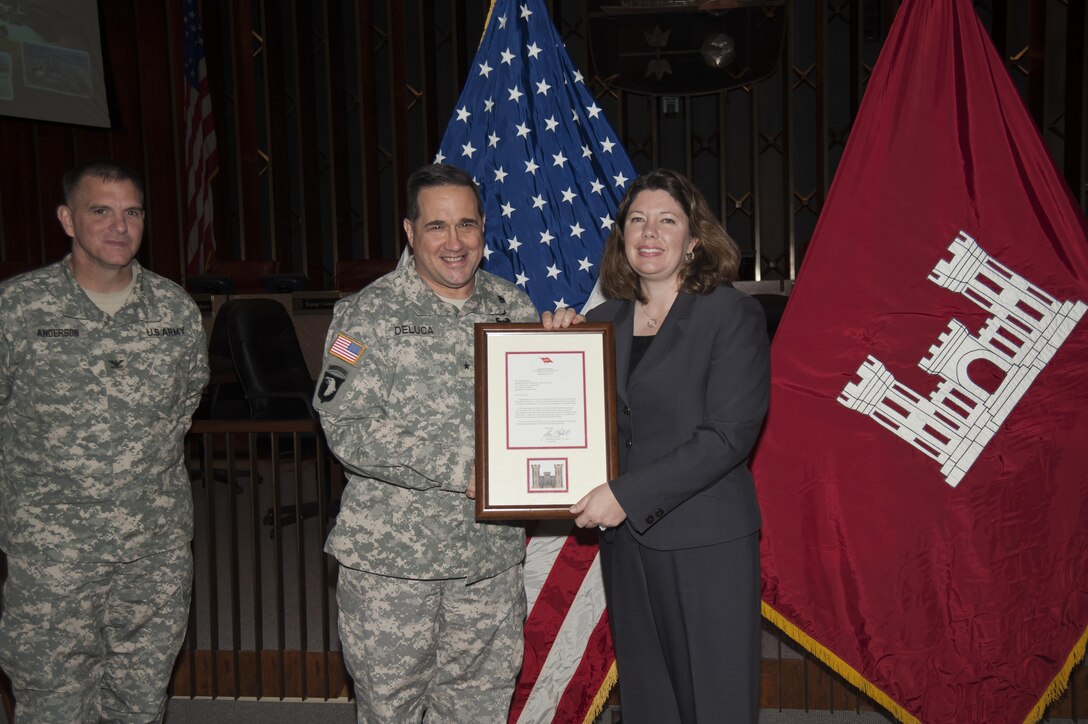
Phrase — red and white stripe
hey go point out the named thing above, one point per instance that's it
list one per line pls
(201, 163)
(569, 665)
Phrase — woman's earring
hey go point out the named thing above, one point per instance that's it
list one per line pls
(689, 255)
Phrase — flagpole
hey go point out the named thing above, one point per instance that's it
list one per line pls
(487, 20)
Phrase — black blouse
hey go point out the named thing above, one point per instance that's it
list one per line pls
(639, 345)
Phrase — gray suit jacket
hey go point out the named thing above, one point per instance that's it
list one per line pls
(688, 417)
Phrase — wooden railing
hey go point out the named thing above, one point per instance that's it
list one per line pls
(262, 620)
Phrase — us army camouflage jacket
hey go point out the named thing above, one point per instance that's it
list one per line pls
(396, 404)
(93, 412)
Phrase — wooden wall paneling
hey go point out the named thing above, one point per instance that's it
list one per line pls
(180, 678)
(272, 681)
(827, 691)
(891, 7)
(1075, 697)
(329, 678)
(21, 212)
(90, 143)
(247, 664)
(175, 34)
(857, 71)
(770, 684)
(207, 677)
(216, 26)
(752, 94)
(368, 133)
(53, 156)
(157, 112)
(1037, 70)
(259, 547)
(283, 676)
(249, 162)
(39, 152)
(292, 679)
(302, 595)
(429, 101)
(653, 104)
(278, 174)
(338, 99)
(723, 161)
(1076, 101)
(305, 128)
(127, 139)
(555, 13)
(212, 561)
(999, 31)
(785, 683)
(464, 42)
(688, 145)
(823, 126)
(789, 86)
(326, 467)
(235, 557)
(402, 159)
(225, 672)
(279, 574)
(621, 122)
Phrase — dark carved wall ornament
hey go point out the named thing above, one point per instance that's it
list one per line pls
(684, 50)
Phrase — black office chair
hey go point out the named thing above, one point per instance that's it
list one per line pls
(274, 378)
(223, 400)
(268, 360)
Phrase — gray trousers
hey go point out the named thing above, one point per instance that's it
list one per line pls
(686, 630)
(438, 649)
(90, 642)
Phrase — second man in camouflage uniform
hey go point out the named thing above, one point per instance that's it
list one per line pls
(431, 602)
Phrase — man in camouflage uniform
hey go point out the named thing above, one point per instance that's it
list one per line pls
(101, 366)
(431, 602)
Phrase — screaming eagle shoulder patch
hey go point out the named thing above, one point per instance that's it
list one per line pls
(330, 383)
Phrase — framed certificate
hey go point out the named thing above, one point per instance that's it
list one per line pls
(545, 418)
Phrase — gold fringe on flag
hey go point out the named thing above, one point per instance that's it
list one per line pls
(1060, 682)
(1053, 692)
(839, 666)
(602, 695)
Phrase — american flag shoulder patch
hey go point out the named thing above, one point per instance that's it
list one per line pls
(346, 348)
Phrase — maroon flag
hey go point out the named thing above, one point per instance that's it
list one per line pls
(922, 473)
(201, 157)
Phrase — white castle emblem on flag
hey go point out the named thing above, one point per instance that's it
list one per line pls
(953, 426)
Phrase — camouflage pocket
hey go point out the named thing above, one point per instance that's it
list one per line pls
(23, 624)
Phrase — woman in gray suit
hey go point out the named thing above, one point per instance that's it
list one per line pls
(680, 525)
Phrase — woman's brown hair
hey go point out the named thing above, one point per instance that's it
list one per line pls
(716, 256)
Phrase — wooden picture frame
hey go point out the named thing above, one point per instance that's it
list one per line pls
(545, 418)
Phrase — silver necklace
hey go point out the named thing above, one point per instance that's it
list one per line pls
(651, 322)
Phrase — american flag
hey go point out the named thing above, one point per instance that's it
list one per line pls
(550, 167)
(551, 171)
(201, 157)
(346, 349)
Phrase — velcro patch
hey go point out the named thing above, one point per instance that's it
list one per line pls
(331, 382)
(346, 348)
